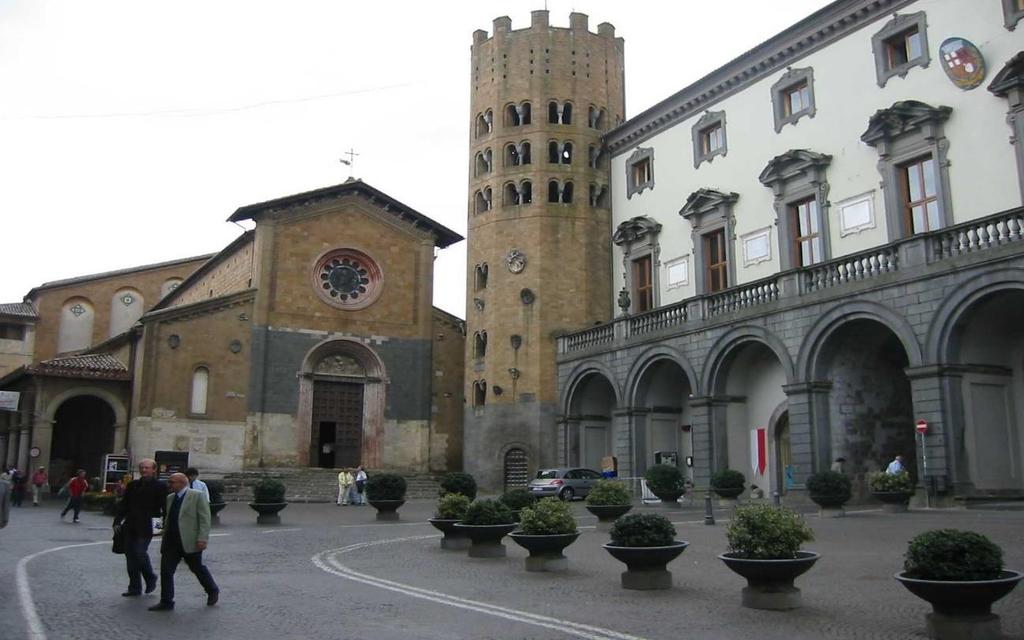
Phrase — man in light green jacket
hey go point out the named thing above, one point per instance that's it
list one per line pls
(186, 531)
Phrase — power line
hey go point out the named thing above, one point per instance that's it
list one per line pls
(199, 112)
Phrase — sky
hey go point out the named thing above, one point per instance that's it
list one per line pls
(131, 129)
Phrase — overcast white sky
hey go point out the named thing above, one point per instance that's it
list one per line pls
(131, 129)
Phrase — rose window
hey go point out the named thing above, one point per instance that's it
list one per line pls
(347, 279)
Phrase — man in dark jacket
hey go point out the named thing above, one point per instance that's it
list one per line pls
(143, 500)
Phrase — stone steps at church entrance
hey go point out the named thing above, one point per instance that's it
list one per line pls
(314, 484)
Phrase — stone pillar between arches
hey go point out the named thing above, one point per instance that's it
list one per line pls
(810, 434)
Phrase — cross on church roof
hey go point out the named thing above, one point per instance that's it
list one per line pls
(351, 153)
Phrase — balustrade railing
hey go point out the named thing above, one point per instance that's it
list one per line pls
(669, 316)
(859, 266)
(969, 237)
(977, 235)
(743, 296)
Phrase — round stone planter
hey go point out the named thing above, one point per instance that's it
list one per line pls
(831, 506)
(486, 538)
(893, 501)
(645, 566)
(387, 510)
(962, 609)
(268, 511)
(215, 509)
(669, 500)
(545, 550)
(453, 540)
(607, 514)
(770, 582)
(729, 493)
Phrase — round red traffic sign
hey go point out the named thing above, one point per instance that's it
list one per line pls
(921, 426)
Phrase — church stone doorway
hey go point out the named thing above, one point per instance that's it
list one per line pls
(83, 431)
(338, 423)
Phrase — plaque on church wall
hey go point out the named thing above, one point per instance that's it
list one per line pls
(516, 261)
(963, 63)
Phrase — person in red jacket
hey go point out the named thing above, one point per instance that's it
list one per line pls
(76, 489)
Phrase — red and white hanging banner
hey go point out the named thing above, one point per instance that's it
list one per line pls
(759, 450)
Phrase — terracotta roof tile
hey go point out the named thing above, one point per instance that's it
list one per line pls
(20, 309)
(93, 365)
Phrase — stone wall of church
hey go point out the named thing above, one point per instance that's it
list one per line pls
(447, 399)
(231, 274)
(97, 293)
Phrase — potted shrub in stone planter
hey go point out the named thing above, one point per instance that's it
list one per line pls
(830, 490)
(100, 501)
(728, 484)
(451, 508)
(666, 482)
(545, 530)
(459, 482)
(516, 500)
(646, 543)
(485, 524)
(386, 492)
(894, 490)
(217, 504)
(268, 500)
(764, 548)
(608, 500)
(961, 574)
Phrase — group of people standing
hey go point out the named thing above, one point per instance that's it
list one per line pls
(352, 487)
(21, 484)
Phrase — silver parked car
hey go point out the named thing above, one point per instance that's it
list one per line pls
(566, 483)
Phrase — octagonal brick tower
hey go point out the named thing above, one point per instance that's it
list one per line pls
(539, 229)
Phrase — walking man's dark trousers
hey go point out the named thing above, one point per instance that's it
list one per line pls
(188, 521)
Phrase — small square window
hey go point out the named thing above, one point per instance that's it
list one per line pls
(900, 45)
(793, 97)
(709, 139)
(639, 171)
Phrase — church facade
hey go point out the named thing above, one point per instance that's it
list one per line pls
(311, 340)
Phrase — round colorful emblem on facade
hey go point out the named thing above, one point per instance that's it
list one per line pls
(347, 279)
(962, 62)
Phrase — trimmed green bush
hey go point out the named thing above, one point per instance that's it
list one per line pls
(99, 501)
(763, 532)
(830, 485)
(883, 482)
(643, 530)
(517, 499)
(728, 479)
(487, 512)
(548, 517)
(385, 486)
(459, 482)
(608, 493)
(951, 554)
(665, 481)
(216, 488)
(268, 491)
(452, 506)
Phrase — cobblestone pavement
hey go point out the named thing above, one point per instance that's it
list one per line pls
(314, 576)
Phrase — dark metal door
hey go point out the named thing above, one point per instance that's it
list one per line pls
(516, 467)
(338, 422)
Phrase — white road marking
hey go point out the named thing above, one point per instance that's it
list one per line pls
(28, 607)
(280, 530)
(328, 561)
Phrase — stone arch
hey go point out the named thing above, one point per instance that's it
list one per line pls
(963, 298)
(579, 373)
(647, 358)
(725, 345)
(825, 326)
(120, 412)
(374, 385)
(47, 425)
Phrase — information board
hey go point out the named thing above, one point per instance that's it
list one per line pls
(168, 462)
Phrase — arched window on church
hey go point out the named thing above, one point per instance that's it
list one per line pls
(200, 390)
(566, 156)
(482, 165)
(480, 276)
(525, 192)
(517, 155)
(553, 192)
(482, 200)
(76, 320)
(484, 123)
(597, 118)
(480, 345)
(479, 393)
(126, 308)
(169, 286)
(599, 196)
(594, 157)
(567, 193)
(511, 194)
